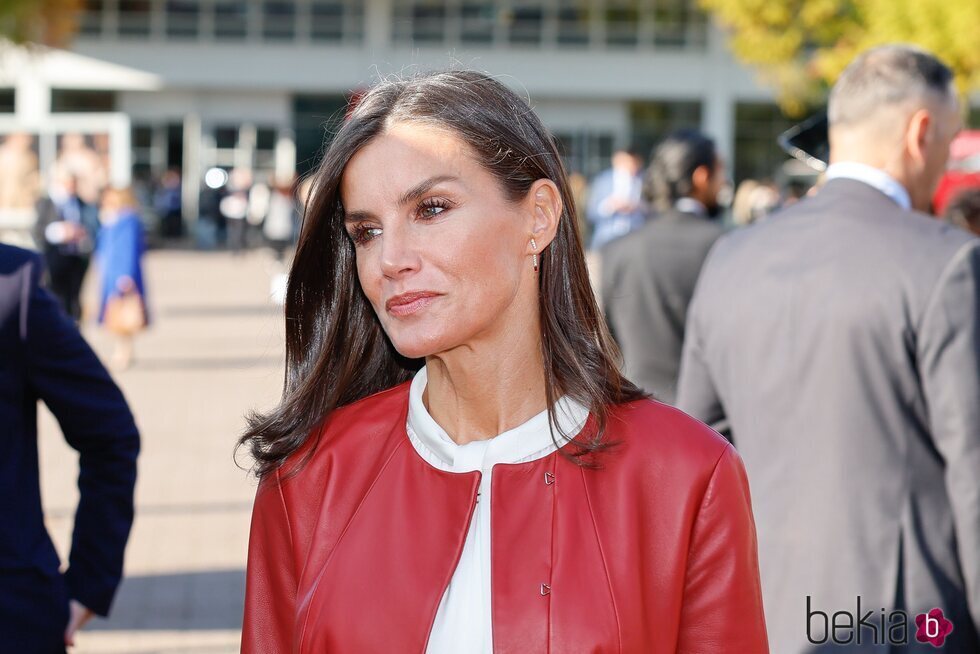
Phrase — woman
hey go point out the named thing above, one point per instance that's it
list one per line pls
(119, 253)
(414, 496)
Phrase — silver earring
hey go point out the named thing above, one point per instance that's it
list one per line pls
(534, 257)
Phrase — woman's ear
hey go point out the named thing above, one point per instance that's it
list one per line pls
(546, 210)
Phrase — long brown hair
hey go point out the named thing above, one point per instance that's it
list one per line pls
(336, 349)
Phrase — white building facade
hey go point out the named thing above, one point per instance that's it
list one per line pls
(254, 83)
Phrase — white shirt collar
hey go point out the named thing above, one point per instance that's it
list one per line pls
(690, 205)
(526, 442)
(874, 177)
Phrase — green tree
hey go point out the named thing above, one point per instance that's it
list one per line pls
(46, 22)
(801, 46)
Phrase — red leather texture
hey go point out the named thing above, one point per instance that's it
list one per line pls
(655, 552)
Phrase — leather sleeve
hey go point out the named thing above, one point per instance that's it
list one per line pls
(949, 364)
(722, 606)
(271, 579)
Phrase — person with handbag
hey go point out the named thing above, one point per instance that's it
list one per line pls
(119, 254)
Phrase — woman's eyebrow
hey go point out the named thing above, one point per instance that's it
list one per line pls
(421, 188)
(409, 196)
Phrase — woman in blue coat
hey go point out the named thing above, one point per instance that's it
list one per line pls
(119, 254)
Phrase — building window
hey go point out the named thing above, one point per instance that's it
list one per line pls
(82, 101)
(757, 154)
(226, 137)
(316, 119)
(336, 21)
(90, 18)
(265, 148)
(622, 22)
(526, 20)
(7, 101)
(585, 152)
(568, 23)
(652, 121)
(573, 22)
(478, 21)
(135, 17)
(420, 21)
(279, 20)
(679, 23)
(231, 20)
(142, 149)
(182, 19)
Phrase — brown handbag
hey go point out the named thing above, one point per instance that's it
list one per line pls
(124, 314)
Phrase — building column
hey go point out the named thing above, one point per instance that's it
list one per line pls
(718, 116)
(378, 17)
(190, 183)
(32, 94)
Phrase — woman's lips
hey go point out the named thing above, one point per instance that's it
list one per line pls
(409, 303)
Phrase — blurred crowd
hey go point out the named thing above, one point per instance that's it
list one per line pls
(831, 332)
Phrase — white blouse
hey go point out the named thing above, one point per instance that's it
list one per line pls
(463, 622)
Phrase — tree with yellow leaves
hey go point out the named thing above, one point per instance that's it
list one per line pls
(801, 46)
(45, 22)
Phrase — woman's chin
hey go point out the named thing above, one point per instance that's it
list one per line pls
(416, 349)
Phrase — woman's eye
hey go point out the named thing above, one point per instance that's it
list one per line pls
(430, 212)
(432, 208)
(361, 234)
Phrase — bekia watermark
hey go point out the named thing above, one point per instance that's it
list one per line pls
(874, 628)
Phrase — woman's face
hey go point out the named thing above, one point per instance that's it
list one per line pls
(442, 254)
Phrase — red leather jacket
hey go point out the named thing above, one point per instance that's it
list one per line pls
(654, 552)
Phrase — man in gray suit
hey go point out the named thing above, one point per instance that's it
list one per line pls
(841, 341)
(647, 277)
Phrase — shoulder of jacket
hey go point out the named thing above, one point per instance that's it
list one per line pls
(14, 258)
(653, 430)
(354, 431)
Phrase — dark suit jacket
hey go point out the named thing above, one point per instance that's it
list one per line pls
(841, 339)
(43, 357)
(647, 280)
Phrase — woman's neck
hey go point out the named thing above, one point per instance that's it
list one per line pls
(478, 395)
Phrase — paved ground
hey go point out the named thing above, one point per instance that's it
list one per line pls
(213, 352)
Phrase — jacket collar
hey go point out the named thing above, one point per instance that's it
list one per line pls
(526, 442)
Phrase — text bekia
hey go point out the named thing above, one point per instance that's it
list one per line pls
(872, 627)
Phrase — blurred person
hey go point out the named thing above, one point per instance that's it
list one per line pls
(234, 207)
(614, 206)
(119, 255)
(43, 357)
(282, 218)
(77, 159)
(439, 321)
(18, 172)
(964, 210)
(754, 200)
(65, 232)
(648, 277)
(168, 203)
(840, 340)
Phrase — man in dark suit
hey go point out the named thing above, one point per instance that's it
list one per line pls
(42, 356)
(841, 340)
(65, 232)
(647, 277)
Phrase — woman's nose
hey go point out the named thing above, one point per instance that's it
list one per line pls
(399, 252)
